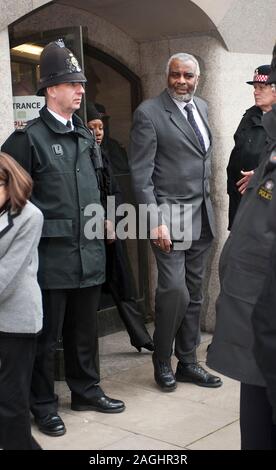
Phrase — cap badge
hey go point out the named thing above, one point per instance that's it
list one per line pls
(60, 43)
(72, 64)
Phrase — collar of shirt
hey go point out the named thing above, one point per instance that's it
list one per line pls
(60, 118)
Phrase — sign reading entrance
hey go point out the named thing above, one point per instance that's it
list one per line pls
(26, 108)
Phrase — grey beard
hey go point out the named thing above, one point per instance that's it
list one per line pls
(181, 98)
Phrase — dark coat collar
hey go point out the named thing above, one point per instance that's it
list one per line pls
(254, 114)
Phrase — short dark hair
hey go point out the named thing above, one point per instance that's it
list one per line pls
(18, 182)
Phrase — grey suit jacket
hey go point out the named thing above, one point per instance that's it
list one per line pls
(167, 163)
(20, 296)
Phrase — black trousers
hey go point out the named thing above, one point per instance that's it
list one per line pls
(16, 364)
(72, 314)
(131, 317)
(257, 429)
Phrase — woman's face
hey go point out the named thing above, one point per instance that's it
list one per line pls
(96, 125)
(4, 196)
(265, 96)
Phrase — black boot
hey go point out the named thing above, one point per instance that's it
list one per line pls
(163, 374)
(195, 374)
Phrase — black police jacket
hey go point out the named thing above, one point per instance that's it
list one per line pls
(264, 314)
(65, 183)
(250, 139)
(264, 327)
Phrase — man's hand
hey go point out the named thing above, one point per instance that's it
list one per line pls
(161, 238)
(243, 182)
(110, 234)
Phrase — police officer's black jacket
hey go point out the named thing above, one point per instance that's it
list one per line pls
(243, 269)
(250, 138)
(264, 314)
(264, 327)
(65, 183)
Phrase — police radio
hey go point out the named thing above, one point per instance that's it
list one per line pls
(102, 175)
(97, 157)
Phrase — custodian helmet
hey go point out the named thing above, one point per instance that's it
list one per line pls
(58, 65)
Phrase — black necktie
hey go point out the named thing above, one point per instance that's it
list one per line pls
(192, 121)
(69, 125)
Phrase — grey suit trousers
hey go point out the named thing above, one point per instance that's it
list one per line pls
(179, 297)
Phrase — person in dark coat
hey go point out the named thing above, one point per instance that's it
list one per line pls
(58, 151)
(119, 280)
(116, 152)
(20, 303)
(244, 264)
(250, 138)
(264, 317)
(264, 328)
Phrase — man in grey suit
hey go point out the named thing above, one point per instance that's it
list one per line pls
(170, 163)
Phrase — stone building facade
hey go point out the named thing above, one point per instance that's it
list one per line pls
(229, 38)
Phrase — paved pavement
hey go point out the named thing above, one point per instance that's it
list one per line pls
(192, 417)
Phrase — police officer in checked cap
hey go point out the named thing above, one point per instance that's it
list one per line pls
(250, 138)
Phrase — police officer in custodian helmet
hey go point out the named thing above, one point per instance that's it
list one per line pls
(57, 150)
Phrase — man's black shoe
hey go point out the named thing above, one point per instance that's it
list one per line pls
(103, 404)
(163, 374)
(52, 425)
(196, 374)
